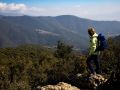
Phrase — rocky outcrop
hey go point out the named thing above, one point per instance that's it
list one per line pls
(89, 81)
(84, 82)
(59, 86)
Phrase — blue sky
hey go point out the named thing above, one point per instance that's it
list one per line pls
(91, 9)
(59, 2)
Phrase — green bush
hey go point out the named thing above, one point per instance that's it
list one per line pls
(26, 67)
(110, 57)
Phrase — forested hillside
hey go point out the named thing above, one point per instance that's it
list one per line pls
(29, 66)
(19, 30)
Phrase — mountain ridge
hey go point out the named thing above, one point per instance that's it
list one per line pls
(71, 29)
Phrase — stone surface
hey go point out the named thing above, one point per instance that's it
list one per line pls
(91, 81)
(59, 86)
(83, 81)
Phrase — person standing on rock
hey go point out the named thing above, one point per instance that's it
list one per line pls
(93, 54)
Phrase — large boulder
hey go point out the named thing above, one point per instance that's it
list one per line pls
(59, 86)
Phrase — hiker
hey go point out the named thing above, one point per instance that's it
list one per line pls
(93, 54)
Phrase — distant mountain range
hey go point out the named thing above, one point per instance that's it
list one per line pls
(46, 30)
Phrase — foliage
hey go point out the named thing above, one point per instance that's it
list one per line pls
(110, 57)
(112, 65)
(26, 67)
(63, 50)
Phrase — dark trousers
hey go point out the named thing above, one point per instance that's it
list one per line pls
(93, 59)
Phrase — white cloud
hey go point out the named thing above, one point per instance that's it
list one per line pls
(18, 9)
(90, 11)
(12, 6)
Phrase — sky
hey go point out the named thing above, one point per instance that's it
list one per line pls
(91, 9)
